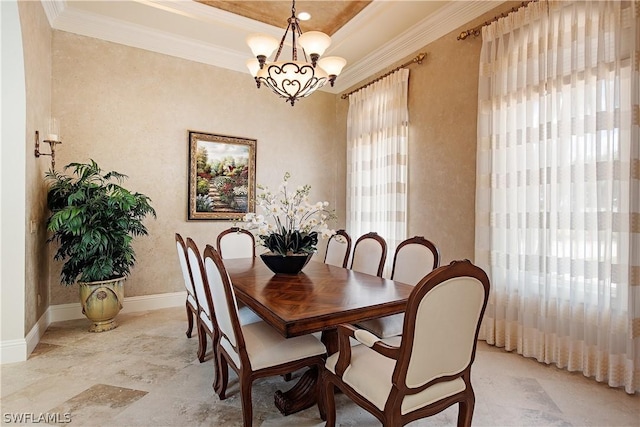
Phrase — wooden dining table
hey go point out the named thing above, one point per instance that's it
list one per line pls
(316, 300)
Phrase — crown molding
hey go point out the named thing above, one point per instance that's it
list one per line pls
(451, 16)
(126, 33)
(442, 22)
(53, 8)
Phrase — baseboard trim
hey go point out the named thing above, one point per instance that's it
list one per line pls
(154, 302)
(62, 312)
(13, 351)
(18, 350)
(34, 335)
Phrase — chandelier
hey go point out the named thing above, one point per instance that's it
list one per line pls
(293, 79)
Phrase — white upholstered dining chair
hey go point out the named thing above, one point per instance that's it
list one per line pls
(430, 369)
(236, 242)
(253, 350)
(369, 254)
(338, 249)
(191, 302)
(414, 258)
(206, 322)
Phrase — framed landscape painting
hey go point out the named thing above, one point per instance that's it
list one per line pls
(222, 176)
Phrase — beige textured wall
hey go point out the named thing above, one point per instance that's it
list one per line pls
(130, 110)
(36, 35)
(442, 155)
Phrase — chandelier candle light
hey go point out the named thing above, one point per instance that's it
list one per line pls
(293, 79)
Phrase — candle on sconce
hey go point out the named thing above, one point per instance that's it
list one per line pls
(54, 130)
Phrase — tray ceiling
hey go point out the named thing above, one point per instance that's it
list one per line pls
(328, 16)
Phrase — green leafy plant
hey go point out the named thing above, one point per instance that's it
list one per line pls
(290, 224)
(94, 220)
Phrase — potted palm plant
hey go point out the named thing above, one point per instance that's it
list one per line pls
(94, 220)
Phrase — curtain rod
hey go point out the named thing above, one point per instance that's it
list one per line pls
(418, 59)
(475, 31)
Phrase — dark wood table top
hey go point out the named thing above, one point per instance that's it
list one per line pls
(319, 298)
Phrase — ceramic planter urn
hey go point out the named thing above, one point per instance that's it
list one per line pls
(101, 302)
(290, 264)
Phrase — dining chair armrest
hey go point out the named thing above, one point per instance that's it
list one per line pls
(376, 344)
(346, 331)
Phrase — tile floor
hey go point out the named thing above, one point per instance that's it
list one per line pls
(145, 373)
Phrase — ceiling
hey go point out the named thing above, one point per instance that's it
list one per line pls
(328, 16)
(371, 35)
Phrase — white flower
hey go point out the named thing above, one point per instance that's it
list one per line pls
(327, 233)
(286, 212)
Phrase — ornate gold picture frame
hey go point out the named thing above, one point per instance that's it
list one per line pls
(222, 176)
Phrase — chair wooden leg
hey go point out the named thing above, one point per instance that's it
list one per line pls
(245, 396)
(329, 403)
(217, 378)
(465, 412)
(189, 320)
(202, 343)
(223, 376)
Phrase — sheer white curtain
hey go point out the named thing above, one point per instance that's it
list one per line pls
(377, 140)
(558, 193)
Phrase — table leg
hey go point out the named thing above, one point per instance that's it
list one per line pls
(300, 396)
(303, 395)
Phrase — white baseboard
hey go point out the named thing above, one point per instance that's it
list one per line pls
(154, 302)
(13, 351)
(62, 312)
(34, 335)
(19, 349)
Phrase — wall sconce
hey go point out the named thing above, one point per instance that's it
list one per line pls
(53, 139)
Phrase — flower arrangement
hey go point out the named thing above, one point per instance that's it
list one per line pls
(290, 224)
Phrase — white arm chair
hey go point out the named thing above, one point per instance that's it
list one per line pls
(430, 369)
(338, 249)
(369, 254)
(253, 350)
(414, 258)
(236, 242)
